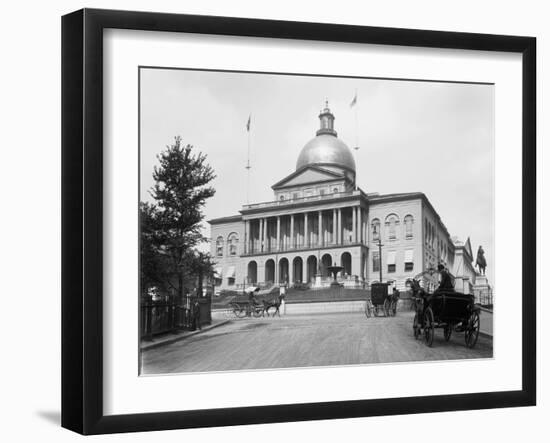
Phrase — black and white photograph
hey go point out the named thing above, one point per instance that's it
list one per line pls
(298, 221)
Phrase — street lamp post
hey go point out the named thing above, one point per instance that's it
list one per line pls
(380, 257)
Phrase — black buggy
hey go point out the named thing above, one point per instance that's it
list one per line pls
(446, 309)
(380, 301)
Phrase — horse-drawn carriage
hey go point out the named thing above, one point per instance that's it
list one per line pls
(252, 307)
(381, 301)
(444, 308)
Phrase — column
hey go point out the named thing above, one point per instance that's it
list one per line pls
(278, 233)
(292, 231)
(339, 240)
(265, 235)
(367, 229)
(306, 232)
(334, 230)
(353, 225)
(260, 233)
(245, 244)
(360, 224)
(320, 230)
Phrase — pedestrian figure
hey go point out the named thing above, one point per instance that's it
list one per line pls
(197, 314)
(282, 293)
(187, 310)
(395, 297)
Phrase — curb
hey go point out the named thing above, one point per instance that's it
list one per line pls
(486, 335)
(181, 337)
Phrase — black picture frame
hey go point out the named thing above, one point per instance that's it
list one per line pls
(82, 216)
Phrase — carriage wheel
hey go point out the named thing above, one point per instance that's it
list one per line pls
(238, 310)
(472, 330)
(257, 311)
(387, 308)
(429, 327)
(416, 326)
(447, 331)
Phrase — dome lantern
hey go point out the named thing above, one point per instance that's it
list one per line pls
(327, 122)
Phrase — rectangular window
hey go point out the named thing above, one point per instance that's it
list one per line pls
(375, 262)
(231, 281)
(409, 260)
(391, 268)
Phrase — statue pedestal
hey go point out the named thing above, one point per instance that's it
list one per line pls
(481, 280)
(482, 291)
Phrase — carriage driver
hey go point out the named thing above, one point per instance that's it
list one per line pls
(446, 283)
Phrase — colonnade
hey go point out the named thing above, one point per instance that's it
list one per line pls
(313, 229)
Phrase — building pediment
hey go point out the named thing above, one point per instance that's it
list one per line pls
(307, 175)
(468, 247)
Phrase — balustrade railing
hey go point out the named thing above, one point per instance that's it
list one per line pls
(298, 247)
(300, 200)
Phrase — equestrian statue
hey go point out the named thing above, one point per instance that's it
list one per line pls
(481, 263)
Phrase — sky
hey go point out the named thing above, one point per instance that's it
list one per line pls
(414, 136)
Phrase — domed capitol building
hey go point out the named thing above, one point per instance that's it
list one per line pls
(318, 218)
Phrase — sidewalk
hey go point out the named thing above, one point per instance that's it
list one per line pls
(486, 322)
(170, 338)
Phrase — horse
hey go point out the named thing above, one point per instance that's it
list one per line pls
(275, 304)
(418, 292)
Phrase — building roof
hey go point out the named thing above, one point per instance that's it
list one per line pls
(324, 175)
(229, 219)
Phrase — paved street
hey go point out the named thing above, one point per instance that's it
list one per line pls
(308, 340)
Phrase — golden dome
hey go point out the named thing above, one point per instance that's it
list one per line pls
(326, 148)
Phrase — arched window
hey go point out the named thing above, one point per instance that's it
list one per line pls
(391, 226)
(282, 197)
(335, 190)
(409, 220)
(375, 229)
(219, 246)
(232, 243)
(426, 230)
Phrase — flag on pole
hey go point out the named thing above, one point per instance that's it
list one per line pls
(248, 124)
(354, 101)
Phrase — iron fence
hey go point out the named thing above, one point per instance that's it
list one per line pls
(172, 315)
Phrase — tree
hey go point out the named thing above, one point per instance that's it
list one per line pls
(171, 226)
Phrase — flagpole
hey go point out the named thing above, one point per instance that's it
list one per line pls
(356, 147)
(248, 163)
